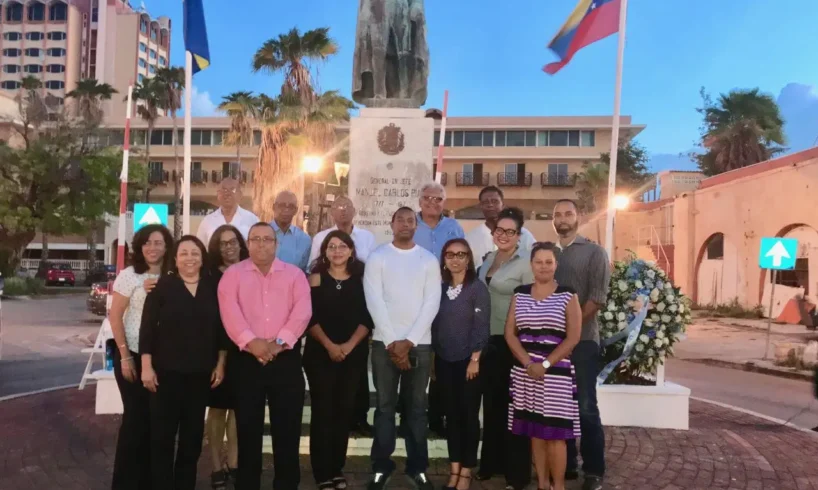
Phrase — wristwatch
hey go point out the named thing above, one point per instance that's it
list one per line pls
(281, 342)
(546, 364)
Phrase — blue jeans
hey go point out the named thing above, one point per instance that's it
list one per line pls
(413, 384)
(592, 439)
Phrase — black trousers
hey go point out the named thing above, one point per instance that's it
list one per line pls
(436, 405)
(333, 390)
(280, 386)
(461, 403)
(132, 468)
(177, 408)
(503, 452)
(361, 404)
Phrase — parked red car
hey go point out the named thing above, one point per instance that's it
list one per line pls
(56, 274)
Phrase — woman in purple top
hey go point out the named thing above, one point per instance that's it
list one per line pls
(542, 328)
(459, 334)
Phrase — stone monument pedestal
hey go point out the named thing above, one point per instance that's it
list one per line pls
(390, 158)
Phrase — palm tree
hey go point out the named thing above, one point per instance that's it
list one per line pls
(148, 98)
(290, 122)
(171, 83)
(745, 127)
(88, 94)
(592, 187)
(242, 109)
(32, 108)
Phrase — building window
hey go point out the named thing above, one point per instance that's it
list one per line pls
(33, 52)
(35, 36)
(143, 48)
(218, 136)
(515, 138)
(573, 138)
(11, 68)
(143, 26)
(142, 63)
(447, 139)
(10, 84)
(558, 174)
(33, 69)
(12, 36)
(488, 138)
(153, 35)
(95, 14)
(57, 52)
(55, 68)
(200, 137)
(257, 138)
(558, 138)
(152, 54)
(152, 70)
(587, 138)
(797, 277)
(436, 141)
(56, 36)
(530, 138)
(140, 78)
(457, 138)
(12, 52)
(542, 138)
(231, 169)
(55, 84)
(58, 12)
(14, 12)
(715, 247)
(473, 138)
(162, 61)
(36, 12)
(499, 138)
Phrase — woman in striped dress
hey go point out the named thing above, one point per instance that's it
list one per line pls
(543, 326)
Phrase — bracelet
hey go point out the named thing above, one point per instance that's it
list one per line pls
(123, 345)
(475, 360)
(126, 359)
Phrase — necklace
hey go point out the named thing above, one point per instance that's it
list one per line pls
(338, 284)
(454, 292)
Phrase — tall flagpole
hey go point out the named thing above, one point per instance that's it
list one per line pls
(188, 122)
(123, 185)
(439, 169)
(620, 54)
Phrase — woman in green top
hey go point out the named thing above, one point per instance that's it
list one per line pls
(503, 271)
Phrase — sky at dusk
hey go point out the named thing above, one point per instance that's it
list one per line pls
(489, 55)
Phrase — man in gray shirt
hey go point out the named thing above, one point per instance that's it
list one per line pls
(584, 267)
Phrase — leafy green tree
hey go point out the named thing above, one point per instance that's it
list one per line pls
(147, 95)
(631, 165)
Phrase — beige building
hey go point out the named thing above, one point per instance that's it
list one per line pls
(671, 183)
(62, 42)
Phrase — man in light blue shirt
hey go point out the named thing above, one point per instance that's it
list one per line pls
(293, 245)
(434, 229)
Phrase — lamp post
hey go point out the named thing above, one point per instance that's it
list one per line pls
(310, 165)
(620, 203)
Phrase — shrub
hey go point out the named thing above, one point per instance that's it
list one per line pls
(23, 286)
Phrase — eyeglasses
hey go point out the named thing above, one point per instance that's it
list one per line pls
(258, 240)
(232, 243)
(434, 199)
(343, 207)
(341, 248)
(289, 206)
(227, 191)
(502, 231)
(456, 255)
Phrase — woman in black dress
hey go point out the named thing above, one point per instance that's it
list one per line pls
(226, 247)
(182, 346)
(334, 356)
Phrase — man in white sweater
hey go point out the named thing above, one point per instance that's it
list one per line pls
(402, 285)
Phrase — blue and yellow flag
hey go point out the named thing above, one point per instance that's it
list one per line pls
(196, 35)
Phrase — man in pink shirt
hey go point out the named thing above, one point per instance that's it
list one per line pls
(265, 307)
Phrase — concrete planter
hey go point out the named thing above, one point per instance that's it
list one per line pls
(657, 407)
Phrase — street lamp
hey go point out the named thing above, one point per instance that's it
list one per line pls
(621, 202)
(311, 164)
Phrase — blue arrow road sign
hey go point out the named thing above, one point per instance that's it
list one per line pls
(778, 253)
(149, 214)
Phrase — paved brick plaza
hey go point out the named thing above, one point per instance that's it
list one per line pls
(54, 440)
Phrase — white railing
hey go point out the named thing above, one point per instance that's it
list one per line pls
(34, 264)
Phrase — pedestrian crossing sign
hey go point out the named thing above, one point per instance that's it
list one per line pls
(145, 213)
(778, 253)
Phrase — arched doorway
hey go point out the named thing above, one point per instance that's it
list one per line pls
(717, 278)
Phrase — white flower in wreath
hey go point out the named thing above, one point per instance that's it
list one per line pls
(639, 347)
(666, 318)
(622, 326)
(669, 298)
(661, 307)
(648, 322)
(668, 285)
(666, 341)
(644, 339)
(651, 274)
(651, 352)
(674, 307)
(611, 306)
(654, 295)
(678, 319)
(651, 263)
(623, 286)
(662, 274)
(654, 317)
(660, 334)
(608, 315)
(681, 308)
(658, 342)
(650, 362)
(620, 316)
(638, 284)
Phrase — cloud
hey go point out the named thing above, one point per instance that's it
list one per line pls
(799, 108)
(201, 104)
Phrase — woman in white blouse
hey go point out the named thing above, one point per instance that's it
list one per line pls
(150, 260)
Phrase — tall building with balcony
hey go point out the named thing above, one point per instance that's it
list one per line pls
(62, 41)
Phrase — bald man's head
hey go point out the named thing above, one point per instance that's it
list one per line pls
(343, 211)
(285, 207)
(229, 194)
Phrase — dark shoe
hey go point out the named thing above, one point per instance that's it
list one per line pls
(218, 479)
(232, 473)
(451, 487)
(327, 485)
(339, 483)
(571, 475)
(378, 481)
(421, 481)
(483, 476)
(363, 429)
(592, 483)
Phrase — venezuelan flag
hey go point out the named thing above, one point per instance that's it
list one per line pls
(590, 21)
(196, 35)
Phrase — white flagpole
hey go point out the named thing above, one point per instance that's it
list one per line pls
(188, 122)
(620, 54)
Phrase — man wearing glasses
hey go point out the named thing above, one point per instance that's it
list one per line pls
(480, 239)
(229, 213)
(343, 213)
(434, 229)
(265, 307)
(293, 243)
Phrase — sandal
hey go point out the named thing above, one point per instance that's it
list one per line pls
(327, 485)
(339, 483)
(447, 487)
(464, 477)
(218, 480)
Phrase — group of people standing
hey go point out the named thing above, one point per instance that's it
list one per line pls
(491, 317)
